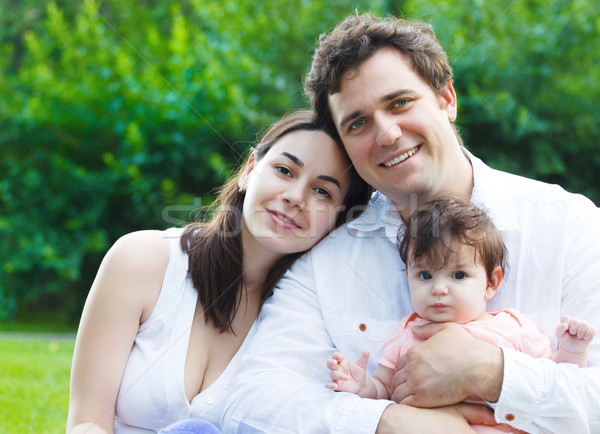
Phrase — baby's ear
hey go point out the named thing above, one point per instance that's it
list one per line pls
(494, 282)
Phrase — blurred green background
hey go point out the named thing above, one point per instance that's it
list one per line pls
(124, 115)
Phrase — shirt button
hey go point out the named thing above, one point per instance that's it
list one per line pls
(210, 400)
(510, 417)
(185, 410)
(225, 386)
(362, 327)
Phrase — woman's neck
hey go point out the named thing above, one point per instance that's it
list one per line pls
(255, 270)
(257, 262)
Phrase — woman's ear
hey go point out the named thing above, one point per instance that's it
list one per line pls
(494, 282)
(243, 182)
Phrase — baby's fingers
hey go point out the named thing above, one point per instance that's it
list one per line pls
(561, 329)
(581, 329)
(332, 364)
(338, 375)
(588, 332)
(333, 385)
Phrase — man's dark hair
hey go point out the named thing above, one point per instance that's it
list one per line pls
(358, 38)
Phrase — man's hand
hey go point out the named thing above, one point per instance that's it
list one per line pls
(403, 419)
(449, 367)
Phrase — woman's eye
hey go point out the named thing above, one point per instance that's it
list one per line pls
(424, 275)
(357, 124)
(459, 275)
(400, 103)
(284, 170)
(322, 192)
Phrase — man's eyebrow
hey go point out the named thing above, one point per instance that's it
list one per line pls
(385, 98)
(348, 118)
(295, 159)
(395, 94)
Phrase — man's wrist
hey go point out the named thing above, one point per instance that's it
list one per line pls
(391, 419)
(493, 376)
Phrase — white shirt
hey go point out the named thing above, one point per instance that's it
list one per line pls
(350, 291)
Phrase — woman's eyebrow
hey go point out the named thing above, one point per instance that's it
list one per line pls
(295, 159)
(300, 163)
(330, 179)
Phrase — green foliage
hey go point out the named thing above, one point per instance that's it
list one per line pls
(124, 115)
(34, 379)
(527, 75)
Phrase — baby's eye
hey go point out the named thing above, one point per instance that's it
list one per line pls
(284, 170)
(459, 275)
(425, 275)
(357, 124)
(322, 192)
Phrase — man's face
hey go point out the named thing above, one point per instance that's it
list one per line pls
(396, 130)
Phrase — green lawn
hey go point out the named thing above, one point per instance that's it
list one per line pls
(34, 386)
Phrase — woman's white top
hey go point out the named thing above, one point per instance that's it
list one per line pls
(152, 393)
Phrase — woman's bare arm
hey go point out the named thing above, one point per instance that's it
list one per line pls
(121, 298)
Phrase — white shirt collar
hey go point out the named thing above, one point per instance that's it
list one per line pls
(381, 214)
(489, 193)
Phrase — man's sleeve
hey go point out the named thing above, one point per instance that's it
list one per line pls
(539, 395)
(281, 385)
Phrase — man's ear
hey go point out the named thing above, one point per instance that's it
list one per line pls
(243, 182)
(449, 102)
(494, 282)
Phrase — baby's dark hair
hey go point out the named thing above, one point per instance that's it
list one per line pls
(435, 225)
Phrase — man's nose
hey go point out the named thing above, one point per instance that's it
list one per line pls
(387, 128)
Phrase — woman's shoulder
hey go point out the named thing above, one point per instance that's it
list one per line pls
(134, 267)
(141, 249)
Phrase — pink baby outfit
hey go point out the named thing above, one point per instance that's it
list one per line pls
(506, 328)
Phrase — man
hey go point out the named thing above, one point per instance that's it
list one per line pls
(387, 87)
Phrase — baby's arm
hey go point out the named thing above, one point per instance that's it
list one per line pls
(574, 336)
(348, 376)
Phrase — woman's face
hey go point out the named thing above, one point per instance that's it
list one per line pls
(294, 193)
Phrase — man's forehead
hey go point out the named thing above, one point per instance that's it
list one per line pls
(388, 69)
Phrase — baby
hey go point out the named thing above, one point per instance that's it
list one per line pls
(455, 261)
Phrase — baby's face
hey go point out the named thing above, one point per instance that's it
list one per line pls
(455, 293)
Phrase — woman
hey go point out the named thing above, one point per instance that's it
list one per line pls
(166, 319)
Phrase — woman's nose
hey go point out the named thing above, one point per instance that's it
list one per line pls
(294, 195)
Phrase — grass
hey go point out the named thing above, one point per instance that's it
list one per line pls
(34, 385)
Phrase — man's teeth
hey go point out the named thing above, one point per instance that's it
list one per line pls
(401, 158)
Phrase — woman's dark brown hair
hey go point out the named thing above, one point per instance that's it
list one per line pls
(214, 247)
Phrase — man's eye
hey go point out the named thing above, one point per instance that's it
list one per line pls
(424, 275)
(459, 275)
(357, 124)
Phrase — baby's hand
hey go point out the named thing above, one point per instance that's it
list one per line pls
(574, 334)
(348, 376)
